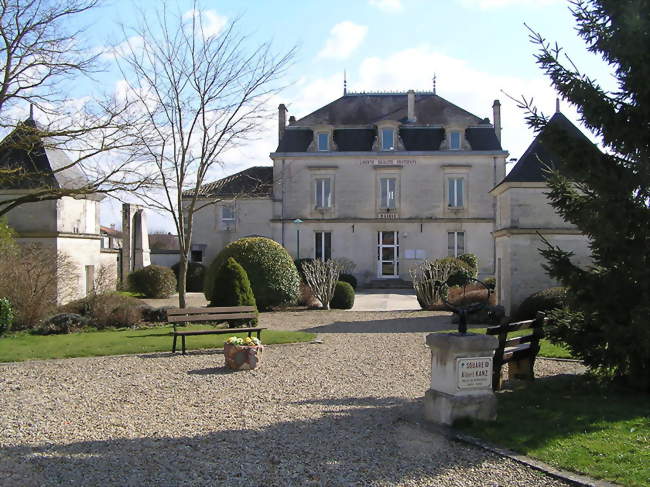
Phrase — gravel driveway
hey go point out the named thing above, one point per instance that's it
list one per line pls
(343, 412)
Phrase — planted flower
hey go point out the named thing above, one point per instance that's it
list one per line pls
(243, 353)
(244, 342)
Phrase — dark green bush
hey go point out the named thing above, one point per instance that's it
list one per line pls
(462, 271)
(195, 276)
(490, 282)
(232, 288)
(472, 261)
(153, 281)
(62, 323)
(271, 271)
(545, 301)
(343, 296)
(350, 279)
(6, 315)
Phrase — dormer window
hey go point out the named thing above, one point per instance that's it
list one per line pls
(454, 140)
(387, 139)
(323, 142)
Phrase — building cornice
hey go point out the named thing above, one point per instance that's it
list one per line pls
(82, 236)
(389, 155)
(507, 232)
(505, 185)
(385, 220)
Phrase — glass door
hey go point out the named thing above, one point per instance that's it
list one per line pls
(387, 255)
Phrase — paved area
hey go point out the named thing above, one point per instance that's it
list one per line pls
(385, 300)
(344, 412)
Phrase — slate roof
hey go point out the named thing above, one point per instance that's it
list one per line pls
(254, 181)
(531, 165)
(354, 117)
(40, 162)
(370, 108)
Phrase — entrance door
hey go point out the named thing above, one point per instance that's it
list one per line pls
(387, 255)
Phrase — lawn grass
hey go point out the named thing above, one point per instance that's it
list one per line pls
(130, 294)
(577, 424)
(23, 346)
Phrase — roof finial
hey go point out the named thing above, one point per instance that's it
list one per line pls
(31, 111)
(345, 83)
(557, 105)
(435, 77)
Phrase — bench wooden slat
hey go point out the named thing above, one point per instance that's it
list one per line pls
(220, 331)
(510, 327)
(214, 317)
(222, 309)
(516, 353)
(511, 342)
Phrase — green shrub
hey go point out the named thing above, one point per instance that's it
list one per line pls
(6, 315)
(62, 323)
(490, 282)
(472, 261)
(195, 276)
(271, 271)
(461, 271)
(232, 288)
(432, 279)
(350, 279)
(546, 300)
(153, 281)
(106, 310)
(343, 296)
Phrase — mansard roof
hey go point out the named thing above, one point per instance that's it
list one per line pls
(39, 162)
(354, 118)
(370, 108)
(256, 181)
(532, 164)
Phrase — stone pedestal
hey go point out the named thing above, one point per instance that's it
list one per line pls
(461, 378)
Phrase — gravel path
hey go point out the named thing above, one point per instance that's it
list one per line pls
(336, 413)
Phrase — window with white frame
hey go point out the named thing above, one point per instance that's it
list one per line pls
(455, 192)
(455, 243)
(323, 193)
(323, 245)
(454, 140)
(323, 142)
(228, 214)
(387, 192)
(387, 139)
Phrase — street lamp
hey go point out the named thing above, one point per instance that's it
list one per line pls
(297, 222)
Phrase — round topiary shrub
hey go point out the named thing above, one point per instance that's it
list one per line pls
(271, 271)
(490, 282)
(195, 276)
(6, 315)
(153, 281)
(546, 300)
(350, 279)
(472, 261)
(343, 296)
(232, 288)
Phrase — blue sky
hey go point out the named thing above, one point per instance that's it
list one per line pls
(478, 50)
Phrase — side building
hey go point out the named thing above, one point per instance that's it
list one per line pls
(383, 179)
(524, 215)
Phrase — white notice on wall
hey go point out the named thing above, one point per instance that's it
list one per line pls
(474, 372)
(410, 254)
(419, 254)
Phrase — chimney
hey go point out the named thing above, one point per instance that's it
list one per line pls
(112, 226)
(292, 120)
(557, 105)
(282, 121)
(410, 94)
(496, 113)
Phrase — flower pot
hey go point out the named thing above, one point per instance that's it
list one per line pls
(241, 357)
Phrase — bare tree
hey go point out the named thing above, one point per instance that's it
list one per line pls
(202, 93)
(321, 277)
(39, 53)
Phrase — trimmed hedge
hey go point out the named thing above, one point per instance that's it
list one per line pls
(546, 300)
(343, 296)
(271, 271)
(350, 279)
(195, 276)
(153, 281)
(232, 288)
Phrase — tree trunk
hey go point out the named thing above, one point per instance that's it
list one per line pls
(182, 278)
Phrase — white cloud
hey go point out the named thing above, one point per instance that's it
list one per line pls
(211, 22)
(490, 4)
(344, 38)
(133, 43)
(387, 5)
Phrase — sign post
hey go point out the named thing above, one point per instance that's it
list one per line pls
(461, 377)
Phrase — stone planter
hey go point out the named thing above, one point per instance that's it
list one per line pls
(240, 357)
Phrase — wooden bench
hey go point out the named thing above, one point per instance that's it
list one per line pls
(518, 352)
(194, 315)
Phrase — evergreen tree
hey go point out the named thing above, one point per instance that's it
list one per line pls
(606, 193)
(232, 288)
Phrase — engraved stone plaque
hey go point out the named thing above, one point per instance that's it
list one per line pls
(474, 372)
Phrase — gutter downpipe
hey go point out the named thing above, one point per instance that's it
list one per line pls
(494, 212)
(282, 206)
